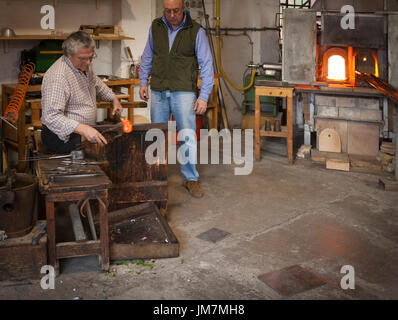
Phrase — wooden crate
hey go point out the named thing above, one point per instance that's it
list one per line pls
(20, 259)
(140, 232)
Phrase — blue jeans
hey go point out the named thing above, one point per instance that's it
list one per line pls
(181, 105)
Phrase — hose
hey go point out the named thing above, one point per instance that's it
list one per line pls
(218, 38)
(215, 65)
(11, 112)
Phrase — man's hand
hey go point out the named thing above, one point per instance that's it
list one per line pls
(144, 93)
(90, 134)
(117, 107)
(200, 106)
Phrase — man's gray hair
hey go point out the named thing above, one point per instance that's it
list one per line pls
(77, 40)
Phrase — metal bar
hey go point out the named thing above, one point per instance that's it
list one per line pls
(77, 224)
(60, 177)
(91, 221)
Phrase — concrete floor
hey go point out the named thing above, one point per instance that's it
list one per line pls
(278, 216)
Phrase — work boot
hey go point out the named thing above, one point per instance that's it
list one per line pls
(194, 189)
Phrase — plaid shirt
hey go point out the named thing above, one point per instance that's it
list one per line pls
(69, 97)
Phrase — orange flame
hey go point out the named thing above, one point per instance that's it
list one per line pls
(127, 125)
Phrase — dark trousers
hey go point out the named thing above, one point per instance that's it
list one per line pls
(55, 144)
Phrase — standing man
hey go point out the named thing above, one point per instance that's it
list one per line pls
(176, 47)
(69, 92)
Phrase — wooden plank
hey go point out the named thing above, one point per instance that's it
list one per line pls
(77, 224)
(365, 162)
(149, 251)
(388, 184)
(78, 249)
(321, 157)
(104, 259)
(274, 91)
(335, 164)
(50, 217)
(65, 193)
(289, 117)
(282, 134)
(248, 120)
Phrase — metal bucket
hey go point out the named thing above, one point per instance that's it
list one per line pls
(18, 204)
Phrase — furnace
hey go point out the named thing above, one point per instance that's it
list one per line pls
(346, 113)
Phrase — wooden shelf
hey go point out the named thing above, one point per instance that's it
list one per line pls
(281, 134)
(63, 37)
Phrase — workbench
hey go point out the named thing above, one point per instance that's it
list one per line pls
(56, 187)
(286, 131)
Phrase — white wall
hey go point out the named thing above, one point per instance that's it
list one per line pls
(236, 52)
(24, 18)
(134, 16)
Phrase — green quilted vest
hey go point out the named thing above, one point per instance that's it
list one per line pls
(176, 70)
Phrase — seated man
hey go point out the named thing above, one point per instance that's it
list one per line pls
(69, 93)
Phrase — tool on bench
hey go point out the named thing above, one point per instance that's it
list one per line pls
(68, 171)
(75, 155)
(63, 177)
(69, 162)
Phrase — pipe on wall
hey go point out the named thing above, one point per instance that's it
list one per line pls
(218, 39)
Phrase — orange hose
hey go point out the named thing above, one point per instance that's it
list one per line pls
(12, 110)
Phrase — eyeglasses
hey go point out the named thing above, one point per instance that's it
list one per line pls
(175, 11)
(88, 59)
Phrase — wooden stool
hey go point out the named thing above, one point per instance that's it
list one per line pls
(286, 131)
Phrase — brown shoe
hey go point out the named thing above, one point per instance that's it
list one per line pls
(194, 189)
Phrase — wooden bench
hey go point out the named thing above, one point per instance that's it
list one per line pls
(72, 190)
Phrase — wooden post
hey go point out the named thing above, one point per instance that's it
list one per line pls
(50, 217)
(289, 142)
(21, 134)
(131, 99)
(104, 235)
(396, 141)
(257, 114)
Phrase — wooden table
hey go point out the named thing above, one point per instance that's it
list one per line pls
(286, 131)
(73, 190)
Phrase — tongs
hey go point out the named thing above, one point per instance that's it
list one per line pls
(75, 155)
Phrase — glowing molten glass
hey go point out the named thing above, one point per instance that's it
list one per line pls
(336, 68)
